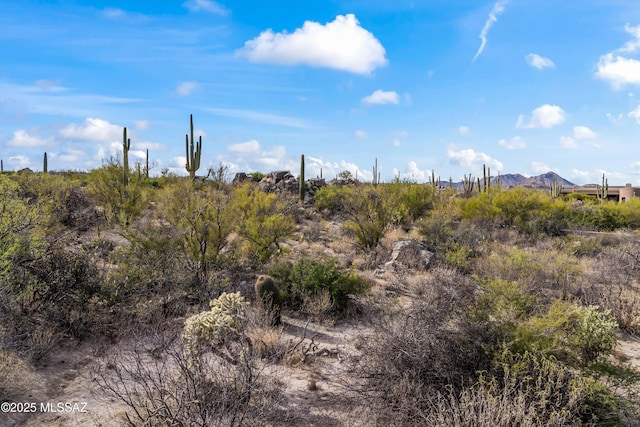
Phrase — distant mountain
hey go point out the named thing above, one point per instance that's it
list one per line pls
(517, 180)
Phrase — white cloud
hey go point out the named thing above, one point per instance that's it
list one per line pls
(471, 158)
(464, 131)
(361, 134)
(330, 170)
(381, 97)
(568, 142)
(515, 143)
(635, 114)
(261, 117)
(540, 168)
(71, 155)
(498, 8)
(538, 61)
(396, 142)
(545, 116)
(148, 145)
(20, 161)
(93, 130)
(613, 119)
(141, 124)
(186, 88)
(413, 172)
(619, 70)
(341, 44)
(206, 6)
(21, 138)
(580, 175)
(583, 132)
(245, 147)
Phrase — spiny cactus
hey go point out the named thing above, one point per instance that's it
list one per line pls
(435, 183)
(467, 185)
(44, 163)
(146, 168)
(268, 297)
(602, 191)
(1, 166)
(555, 189)
(126, 145)
(193, 153)
(212, 328)
(376, 173)
(301, 178)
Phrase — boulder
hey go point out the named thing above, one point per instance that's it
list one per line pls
(409, 255)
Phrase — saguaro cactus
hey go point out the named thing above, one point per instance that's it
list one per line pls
(193, 153)
(376, 173)
(126, 145)
(555, 189)
(1, 166)
(602, 191)
(302, 178)
(467, 185)
(146, 168)
(44, 163)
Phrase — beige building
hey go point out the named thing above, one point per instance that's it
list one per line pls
(618, 193)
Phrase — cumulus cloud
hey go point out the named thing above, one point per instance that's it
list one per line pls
(414, 173)
(583, 132)
(20, 161)
(245, 147)
(331, 169)
(538, 61)
(206, 6)
(635, 114)
(381, 97)
(498, 8)
(93, 130)
(568, 142)
(464, 131)
(21, 138)
(361, 134)
(540, 168)
(515, 143)
(186, 88)
(621, 70)
(545, 116)
(473, 159)
(341, 44)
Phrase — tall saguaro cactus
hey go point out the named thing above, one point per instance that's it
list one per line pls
(1, 166)
(376, 174)
(126, 145)
(44, 163)
(193, 152)
(302, 178)
(602, 191)
(555, 188)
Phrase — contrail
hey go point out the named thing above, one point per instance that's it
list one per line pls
(498, 8)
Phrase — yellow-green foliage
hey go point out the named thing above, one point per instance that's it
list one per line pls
(368, 214)
(260, 220)
(121, 203)
(212, 328)
(568, 332)
(203, 217)
(23, 225)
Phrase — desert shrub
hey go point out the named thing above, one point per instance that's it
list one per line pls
(527, 390)
(408, 200)
(15, 376)
(203, 217)
(160, 383)
(481, 210)
(306, 280)
(437, 229)
(630, 212)
(568, 332)
(256, 176)
(330, 198)
(121, 203)
(368, 215)
(261, 221)
(152, 262)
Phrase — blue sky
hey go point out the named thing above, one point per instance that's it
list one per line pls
(524, 86)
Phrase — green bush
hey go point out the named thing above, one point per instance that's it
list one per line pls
(368, 215)
(204, 218)
(309, 276)
(261, 220)
(121, 203)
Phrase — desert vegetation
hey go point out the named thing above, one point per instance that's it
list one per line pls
(515, 317)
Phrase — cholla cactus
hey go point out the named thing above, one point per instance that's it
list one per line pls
(213, 327)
